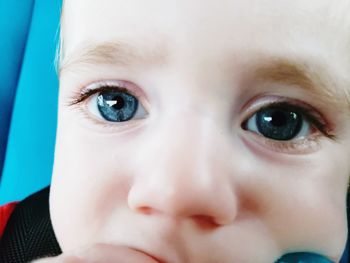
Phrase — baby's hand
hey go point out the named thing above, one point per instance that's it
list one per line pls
(102, 253)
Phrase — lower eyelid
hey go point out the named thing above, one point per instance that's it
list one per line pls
(105, 127)
(294, 147)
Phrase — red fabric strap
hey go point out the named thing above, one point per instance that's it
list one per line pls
(5, 213)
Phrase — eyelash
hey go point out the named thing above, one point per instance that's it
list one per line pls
(85, 94)
(79, 97)
(307, 112)
(316, 120)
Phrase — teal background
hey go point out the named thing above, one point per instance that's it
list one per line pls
(28, 95)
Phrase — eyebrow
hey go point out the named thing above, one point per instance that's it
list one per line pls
(115, 53)
(313, 78)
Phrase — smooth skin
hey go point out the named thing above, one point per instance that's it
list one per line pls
(187, 181)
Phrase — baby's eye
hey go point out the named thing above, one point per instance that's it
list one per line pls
(279, 123)
(115, 106)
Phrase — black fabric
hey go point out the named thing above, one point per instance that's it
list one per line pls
(29, 234)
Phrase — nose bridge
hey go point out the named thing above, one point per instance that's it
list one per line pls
(189, 140)
(185, 174)
(186, 133)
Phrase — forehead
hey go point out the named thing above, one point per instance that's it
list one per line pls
(216, 31)
(231, 23)
(232, 31)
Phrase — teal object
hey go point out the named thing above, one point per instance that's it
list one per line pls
(303, 257)
(15, 19)
(30, 144)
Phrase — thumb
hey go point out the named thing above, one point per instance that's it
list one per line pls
(102, 253)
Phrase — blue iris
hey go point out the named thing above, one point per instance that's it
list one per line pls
(116, 106)
(278, 123)
(303, 257)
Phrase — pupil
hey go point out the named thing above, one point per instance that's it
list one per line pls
(278, 119)
(119, 103)
(278, 123)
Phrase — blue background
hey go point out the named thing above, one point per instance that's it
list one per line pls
(28, 95)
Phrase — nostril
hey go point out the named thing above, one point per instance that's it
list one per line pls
(205, 222)
(145, 210)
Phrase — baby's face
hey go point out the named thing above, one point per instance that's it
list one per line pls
(204, 130)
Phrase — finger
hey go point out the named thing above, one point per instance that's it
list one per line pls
(102, 253)
(61, 259)
(115, 254)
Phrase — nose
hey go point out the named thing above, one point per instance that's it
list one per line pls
(185, 172)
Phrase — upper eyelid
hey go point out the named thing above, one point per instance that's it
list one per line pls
(261, 102)
(99, 86)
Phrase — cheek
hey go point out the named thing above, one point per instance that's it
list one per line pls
(91, 177)
(303, 205)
